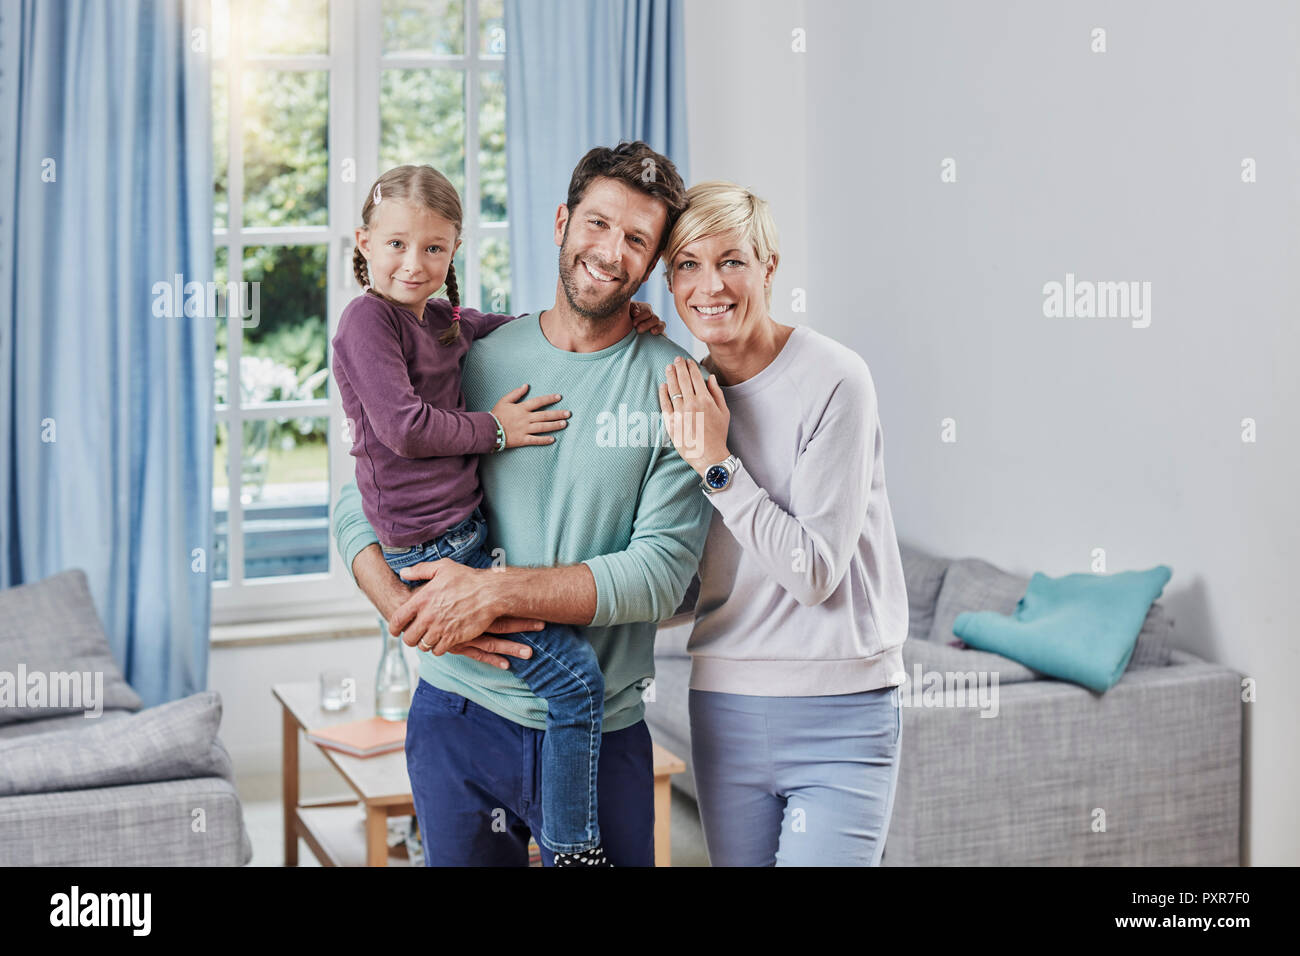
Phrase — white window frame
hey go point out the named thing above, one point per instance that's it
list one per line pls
(473, 64)
(354, 63)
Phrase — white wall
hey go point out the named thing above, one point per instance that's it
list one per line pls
(1072, 434)
(747, 119)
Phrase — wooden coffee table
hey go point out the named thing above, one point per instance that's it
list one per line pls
(353, 831)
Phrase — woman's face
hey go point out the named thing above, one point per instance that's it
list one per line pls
(720, 288)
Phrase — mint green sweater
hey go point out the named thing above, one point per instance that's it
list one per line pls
(611, 492)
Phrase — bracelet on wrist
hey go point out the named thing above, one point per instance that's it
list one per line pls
(501, 435)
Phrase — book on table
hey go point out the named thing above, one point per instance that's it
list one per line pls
(362, 738)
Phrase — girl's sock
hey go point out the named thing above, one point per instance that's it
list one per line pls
(593, 857)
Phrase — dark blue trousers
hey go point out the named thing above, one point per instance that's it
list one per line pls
(476, 779)
(565, 673)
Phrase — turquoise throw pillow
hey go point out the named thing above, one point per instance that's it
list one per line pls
(1080, 628)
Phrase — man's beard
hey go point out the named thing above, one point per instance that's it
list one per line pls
(601, 309)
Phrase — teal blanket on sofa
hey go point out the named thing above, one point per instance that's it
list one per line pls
(1080, 627)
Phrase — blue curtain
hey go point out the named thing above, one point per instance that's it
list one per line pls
(106, 424)
(584, 73)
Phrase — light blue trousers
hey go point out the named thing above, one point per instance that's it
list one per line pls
(795, 781)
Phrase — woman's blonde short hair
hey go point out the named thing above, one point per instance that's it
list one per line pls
(718, 207)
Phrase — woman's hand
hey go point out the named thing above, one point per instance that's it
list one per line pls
(645, 320)
(524, 422)
(695, 414)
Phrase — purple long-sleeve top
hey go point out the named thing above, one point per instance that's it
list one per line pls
(414, 442)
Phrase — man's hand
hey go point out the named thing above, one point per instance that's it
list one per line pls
(452, 609)
(494, 651)
(388, 594)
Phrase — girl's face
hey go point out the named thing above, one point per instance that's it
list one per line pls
(409, 248)
(719, 288)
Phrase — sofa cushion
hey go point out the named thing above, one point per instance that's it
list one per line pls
(173, 741)
(972, 584)
(667, 714)
(921, 658)
(50, 627)
(671, 638)
(1079, 627)
(28, 728)
(1155, 643)
(923, 574)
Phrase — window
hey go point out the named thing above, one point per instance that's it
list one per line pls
(312, 99)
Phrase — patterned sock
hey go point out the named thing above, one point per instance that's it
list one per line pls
(593, 857)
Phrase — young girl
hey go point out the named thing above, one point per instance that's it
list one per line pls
(397, 361)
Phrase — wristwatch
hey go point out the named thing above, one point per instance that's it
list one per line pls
(717, 477)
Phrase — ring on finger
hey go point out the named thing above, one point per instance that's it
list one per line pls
(673, 398)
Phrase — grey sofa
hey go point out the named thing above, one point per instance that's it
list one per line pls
(122, 787)
(1147, 774)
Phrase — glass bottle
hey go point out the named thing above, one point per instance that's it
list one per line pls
(393, 681)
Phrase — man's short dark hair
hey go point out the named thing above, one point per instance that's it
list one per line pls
(638, 166)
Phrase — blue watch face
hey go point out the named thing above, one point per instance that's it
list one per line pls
(717, 477)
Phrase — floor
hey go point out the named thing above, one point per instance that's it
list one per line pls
(263, 817)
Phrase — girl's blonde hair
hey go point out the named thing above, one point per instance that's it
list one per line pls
(718, 207)
(428, 187)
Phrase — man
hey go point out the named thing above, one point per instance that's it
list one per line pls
(602, 528)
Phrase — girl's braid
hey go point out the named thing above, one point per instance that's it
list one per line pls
(452, 334)
(360, 268)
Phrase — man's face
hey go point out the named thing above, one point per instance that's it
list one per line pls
(607, 246)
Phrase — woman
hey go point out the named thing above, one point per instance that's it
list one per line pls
(796, 649)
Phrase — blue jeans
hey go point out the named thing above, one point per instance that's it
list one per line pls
(564, 672)
(795, 781)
